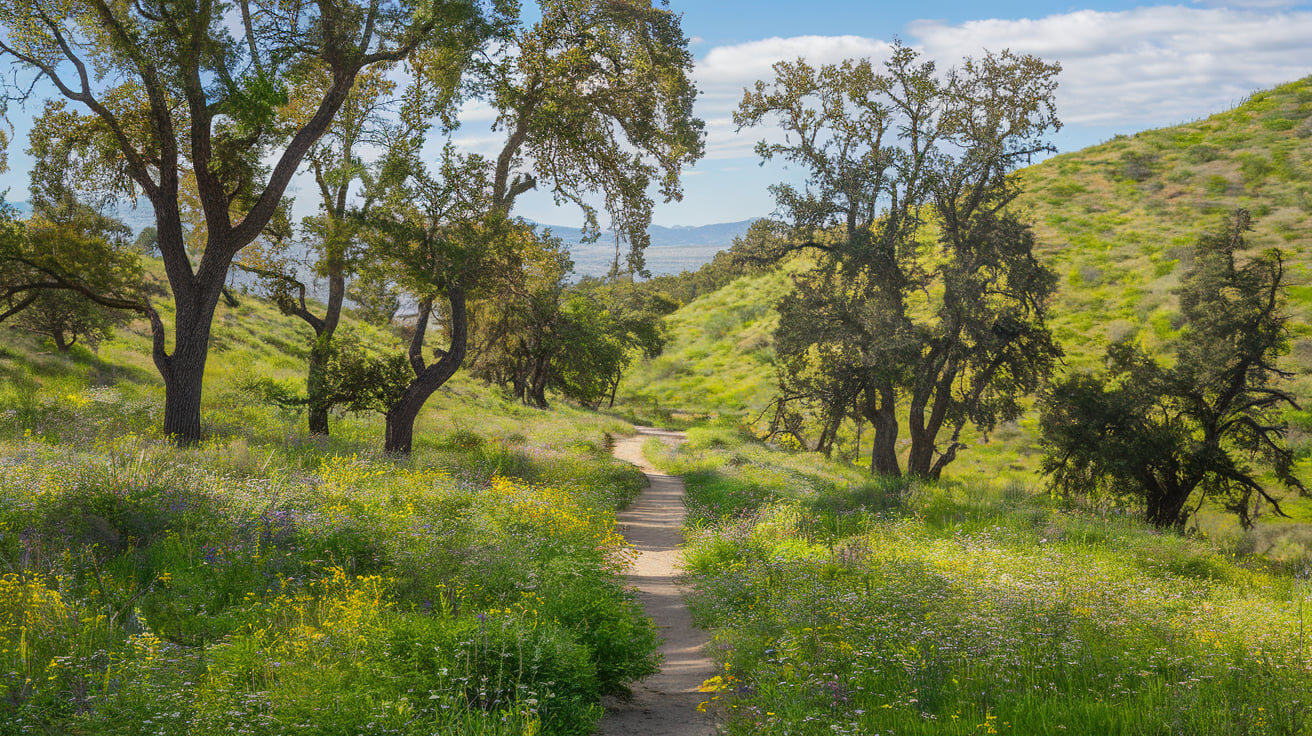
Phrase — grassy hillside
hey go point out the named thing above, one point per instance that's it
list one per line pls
(269, 582)
(720, 356)
(1116, 221)
(842, 605)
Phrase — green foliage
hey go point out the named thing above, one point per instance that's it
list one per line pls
(1100, 235)
(898, 315)
(377, 300)
(537, 333)
(842, 605)
(209, 119)
(1137, 167)
(1158, 434)
(68, 318)
(354, 378)
(358, 379)
(596, 98)
(600, 337)
(68, 273)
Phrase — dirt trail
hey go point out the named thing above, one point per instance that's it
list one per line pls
(664, 704)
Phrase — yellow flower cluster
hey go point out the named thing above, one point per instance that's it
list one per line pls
(28, 609)
(344, 473)
(340, 609)
(554, 512)
(540, 506)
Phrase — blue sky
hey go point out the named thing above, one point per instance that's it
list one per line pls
(1127, 66)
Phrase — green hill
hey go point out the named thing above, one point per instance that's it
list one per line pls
(1116, 221)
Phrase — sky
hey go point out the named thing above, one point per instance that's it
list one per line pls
(1126, 67)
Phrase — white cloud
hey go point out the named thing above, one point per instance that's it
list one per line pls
(1247, 3)
(477, 111)
(1134, 69)
(752, 60)
(726, 71)
(1144, 67)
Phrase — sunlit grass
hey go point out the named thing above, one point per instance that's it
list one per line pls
(270, 582)
(845, 605)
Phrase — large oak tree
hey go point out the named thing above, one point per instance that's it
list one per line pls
(1207, 425)
(926, 301)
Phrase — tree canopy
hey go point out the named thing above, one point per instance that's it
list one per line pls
(595, 98)
(1206, 425)
(68, 272)
(926, 294)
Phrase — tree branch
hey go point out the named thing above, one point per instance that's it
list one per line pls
(295, 309)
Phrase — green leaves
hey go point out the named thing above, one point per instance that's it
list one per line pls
(1204, 428)
(926, 294)
(596, 99)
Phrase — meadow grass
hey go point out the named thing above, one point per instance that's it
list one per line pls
(844, 604)
(270, 582)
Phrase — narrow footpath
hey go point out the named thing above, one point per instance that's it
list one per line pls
(664, 704)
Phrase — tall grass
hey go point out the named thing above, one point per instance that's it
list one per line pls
(842, 605)
(269, 582)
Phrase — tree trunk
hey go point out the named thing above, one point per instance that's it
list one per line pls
(920, 459)
(316, 387)
(1166, 503)
(401, 417)
(881, 410)
(184, 369)
(929, 409)
(614, 388)
(319, 403)
(537, 396)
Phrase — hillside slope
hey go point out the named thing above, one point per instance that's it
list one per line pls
(1117, 221)
(269, 581)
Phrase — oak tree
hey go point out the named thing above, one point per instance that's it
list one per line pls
(577, 339)
(926, 302)
(68, 272)
(594, 99)
(1207, 425)
(443, 241)
(337, 164)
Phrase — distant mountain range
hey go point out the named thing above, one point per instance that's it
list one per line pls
(721, 234)
(673, 249)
